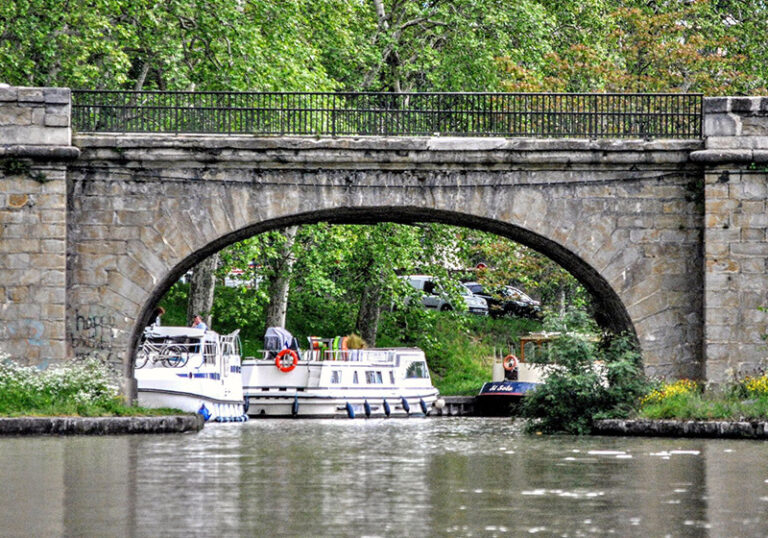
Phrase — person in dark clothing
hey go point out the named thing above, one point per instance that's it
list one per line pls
(154, 320)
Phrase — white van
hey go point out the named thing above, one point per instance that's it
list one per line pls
(434, 297)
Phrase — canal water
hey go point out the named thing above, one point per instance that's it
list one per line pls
(397, 477)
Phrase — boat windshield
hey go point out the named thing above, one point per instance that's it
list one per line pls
(417, 369)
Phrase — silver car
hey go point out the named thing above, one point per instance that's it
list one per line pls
(434, 297)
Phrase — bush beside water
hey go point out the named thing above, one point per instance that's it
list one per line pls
(587, 379)
(85, 389)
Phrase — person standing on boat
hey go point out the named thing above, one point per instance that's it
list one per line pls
(198, 323)
(154, 321)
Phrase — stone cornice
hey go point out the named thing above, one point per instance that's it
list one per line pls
(35, 152)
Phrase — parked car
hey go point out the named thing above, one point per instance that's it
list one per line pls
(435, 297)
(507, 301)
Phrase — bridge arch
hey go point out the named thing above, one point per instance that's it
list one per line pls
(621, 219)
(612, 314)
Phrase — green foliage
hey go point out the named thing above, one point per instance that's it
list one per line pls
(703, 46)
(313, 315)
(586, 379)
(175, 304)
(715, 46)
(83, 389)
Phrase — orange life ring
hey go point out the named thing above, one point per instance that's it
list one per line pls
(510, 362)
(279, 360)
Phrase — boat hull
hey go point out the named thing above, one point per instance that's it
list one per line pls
(220, 410)
(305, 404)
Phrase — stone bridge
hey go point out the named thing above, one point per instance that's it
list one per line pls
(669, 236)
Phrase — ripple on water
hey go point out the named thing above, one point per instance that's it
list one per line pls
(576, 494)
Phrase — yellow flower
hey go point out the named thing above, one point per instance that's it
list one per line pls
(757, 386)
(670, 390)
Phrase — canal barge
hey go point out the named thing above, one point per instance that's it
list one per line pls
(329, 380)
(513, 377)
(193, 370)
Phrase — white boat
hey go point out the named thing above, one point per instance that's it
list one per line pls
(193, 370)
(326, 382)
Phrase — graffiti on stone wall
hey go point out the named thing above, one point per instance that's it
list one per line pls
(31, 330)
(93, 333)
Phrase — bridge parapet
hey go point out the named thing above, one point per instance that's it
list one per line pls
(736, 129)
(35, 121)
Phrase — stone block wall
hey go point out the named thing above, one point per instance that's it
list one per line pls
(34, 147)
(735, 236)
(34, 116)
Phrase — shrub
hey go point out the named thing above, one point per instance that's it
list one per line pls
(459, 347)
(586, 379)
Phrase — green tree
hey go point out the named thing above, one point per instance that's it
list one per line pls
(650, 47)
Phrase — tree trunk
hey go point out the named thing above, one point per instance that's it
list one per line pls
(368, 316)
(201, 287)
(561, 300)
(280, 281)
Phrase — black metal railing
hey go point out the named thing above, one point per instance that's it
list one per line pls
(552, 115)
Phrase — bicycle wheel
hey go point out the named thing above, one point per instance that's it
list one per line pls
(174, 356)
(142, 357)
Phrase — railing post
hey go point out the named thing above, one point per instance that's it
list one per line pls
(333, 115)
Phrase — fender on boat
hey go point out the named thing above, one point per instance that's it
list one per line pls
(350, 410)
(367, 408)
(387, 410)
(423, 405)
(406, 406)
(295, 406)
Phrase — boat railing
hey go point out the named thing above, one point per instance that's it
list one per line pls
(342, 355)
(230, 343)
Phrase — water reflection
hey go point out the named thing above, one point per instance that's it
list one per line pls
(449, 476)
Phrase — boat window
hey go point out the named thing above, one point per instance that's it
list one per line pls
(417, 369)
(392, 377)
(354, 378)
(373, 377)
(335, 376)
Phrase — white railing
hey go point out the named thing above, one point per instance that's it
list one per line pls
(346, 355)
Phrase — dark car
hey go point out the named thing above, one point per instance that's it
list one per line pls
(507, 301)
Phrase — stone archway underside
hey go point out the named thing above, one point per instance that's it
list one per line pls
(622, 218)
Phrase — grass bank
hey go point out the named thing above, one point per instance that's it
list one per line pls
(84, 390)
(745, 399)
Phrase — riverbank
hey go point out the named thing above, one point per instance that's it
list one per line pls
(466, 406)
(724, 429)
(100, 425)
